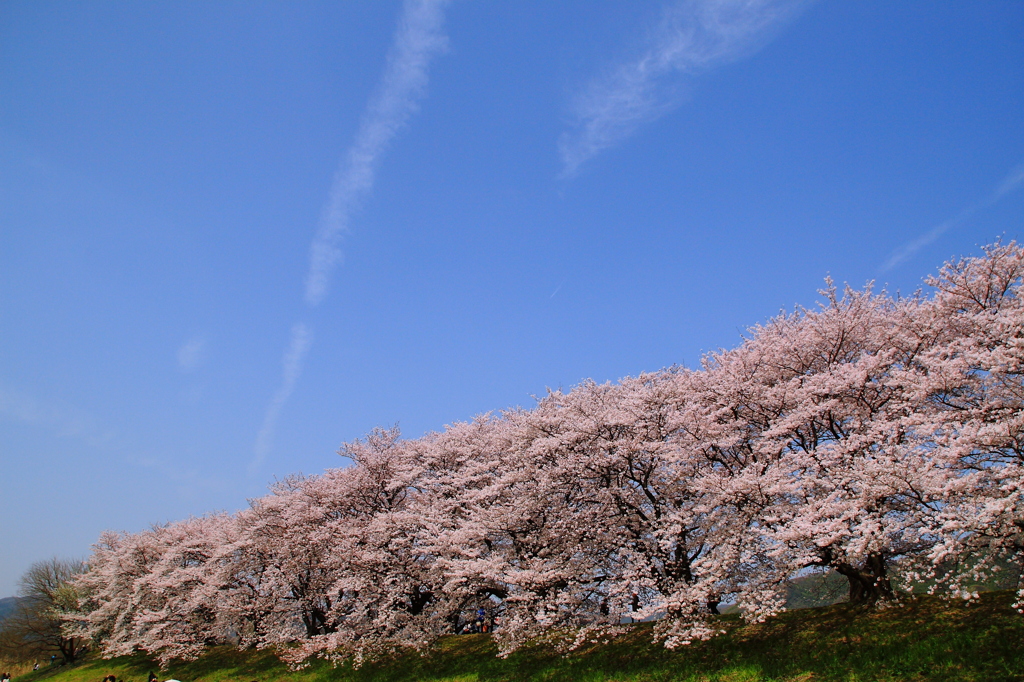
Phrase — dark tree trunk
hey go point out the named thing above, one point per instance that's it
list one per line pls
(315, 620)
(869, 583)
(418, 600)
(71, 648)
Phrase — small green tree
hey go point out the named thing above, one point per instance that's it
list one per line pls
(36, 628)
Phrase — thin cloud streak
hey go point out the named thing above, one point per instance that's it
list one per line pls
(301, 339)
(910, 248)
(559, 287)
(1011, 183)
(693, 36)
(417, 39)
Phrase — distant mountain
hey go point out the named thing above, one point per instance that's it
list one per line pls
(808, 591)
(816, 589)
(7, 606)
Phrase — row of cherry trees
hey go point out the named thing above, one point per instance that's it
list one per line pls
(871, 432)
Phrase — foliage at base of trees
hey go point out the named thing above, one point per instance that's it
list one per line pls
(926, 639)
(872, 432)
(35, 628)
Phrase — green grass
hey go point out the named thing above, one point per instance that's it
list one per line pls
(926, 639)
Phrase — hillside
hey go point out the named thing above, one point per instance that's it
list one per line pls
(7, 605)
(926, 639)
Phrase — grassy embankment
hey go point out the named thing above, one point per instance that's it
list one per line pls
(927, 639)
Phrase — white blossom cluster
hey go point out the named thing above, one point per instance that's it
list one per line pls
(869, 431)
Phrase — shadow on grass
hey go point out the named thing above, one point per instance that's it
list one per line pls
(926, 639)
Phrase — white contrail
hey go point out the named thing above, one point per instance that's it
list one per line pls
(291, 369)
(418, 38)
(1012, 182)
(693, 36)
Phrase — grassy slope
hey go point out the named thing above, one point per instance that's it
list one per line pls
(928, 639)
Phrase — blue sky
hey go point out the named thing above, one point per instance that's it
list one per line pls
(235, 235)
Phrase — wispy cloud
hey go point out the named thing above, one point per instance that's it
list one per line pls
(418, 38)
(301, 338)
(910, 248)
(191, 354)
(692, 37)
(60, 420)
(559, 287)
(1011, 183)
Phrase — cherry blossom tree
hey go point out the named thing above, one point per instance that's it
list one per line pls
(820, 409)
(973, 391)
(149, 591)
(868, 434)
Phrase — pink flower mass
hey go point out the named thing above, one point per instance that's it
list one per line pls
(877, 436)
